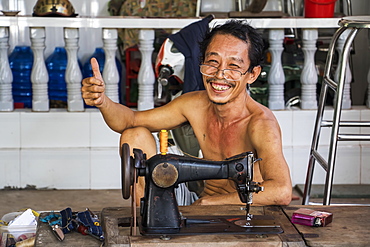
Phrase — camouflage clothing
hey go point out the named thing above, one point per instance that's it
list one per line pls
(152, 8)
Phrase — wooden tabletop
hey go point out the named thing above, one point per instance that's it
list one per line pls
(350, 227)
(116, 236)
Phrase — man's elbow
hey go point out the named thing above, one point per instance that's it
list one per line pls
(285, 197)
(286, 200)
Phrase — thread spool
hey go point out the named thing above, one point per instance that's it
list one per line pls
(163, 142)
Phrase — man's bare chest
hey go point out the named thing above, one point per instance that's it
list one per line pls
(221, 143)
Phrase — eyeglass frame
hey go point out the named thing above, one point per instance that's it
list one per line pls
(223, 72)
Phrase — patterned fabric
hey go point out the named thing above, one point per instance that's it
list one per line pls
(158, 8)
(92, 223)
(148, 8)
(85, 222)
(67, 225)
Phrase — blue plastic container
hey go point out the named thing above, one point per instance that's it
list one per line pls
(21, 61)
(56, 65)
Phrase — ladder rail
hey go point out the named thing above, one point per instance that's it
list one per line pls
(328, 123)
(336, 118)
(320, 160)
(331, 83)
(319, 115)
(331, 51)
(338, 87)
(353, 137)
(314, 145)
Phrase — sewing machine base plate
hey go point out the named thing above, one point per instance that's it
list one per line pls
(197, 225)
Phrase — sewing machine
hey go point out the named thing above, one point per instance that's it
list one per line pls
(163, 172)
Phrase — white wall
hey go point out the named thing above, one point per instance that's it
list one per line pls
(58, 149)
(66, 150)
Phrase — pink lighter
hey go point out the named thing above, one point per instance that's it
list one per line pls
(309, 217)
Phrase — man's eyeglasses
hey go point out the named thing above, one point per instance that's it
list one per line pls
(228, 74)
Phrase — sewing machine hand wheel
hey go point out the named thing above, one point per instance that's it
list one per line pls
(127, 168)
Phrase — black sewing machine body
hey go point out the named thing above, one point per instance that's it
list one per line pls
(159, 209)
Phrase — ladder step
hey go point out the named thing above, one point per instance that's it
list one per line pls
(327, 123)
(331, 83)
(353, 137)
(320, 160)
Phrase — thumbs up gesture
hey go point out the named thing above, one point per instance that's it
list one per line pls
(93, 88)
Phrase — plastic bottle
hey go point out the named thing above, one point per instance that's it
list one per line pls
(56, 65)
(21, 61)
(100, 56)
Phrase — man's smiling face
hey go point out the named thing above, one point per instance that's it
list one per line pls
(226, 52)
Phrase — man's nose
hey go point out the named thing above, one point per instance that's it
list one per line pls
(220, 74)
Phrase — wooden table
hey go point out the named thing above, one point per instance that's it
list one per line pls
(114, 235)
(350, 227)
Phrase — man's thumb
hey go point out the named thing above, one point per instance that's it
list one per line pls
(95, 69)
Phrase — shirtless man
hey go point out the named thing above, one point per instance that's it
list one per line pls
(225, 119)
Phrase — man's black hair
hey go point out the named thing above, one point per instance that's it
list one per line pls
(243, 31)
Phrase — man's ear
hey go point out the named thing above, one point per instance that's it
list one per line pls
(254, 74)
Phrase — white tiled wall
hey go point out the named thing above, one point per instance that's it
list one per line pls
(100, 134)
(55, 129)
(76, 150)
(365, 164)
(353, 158)
(62, 168)
(58, 149)
(105, 168)
(10, 168)
(365, 116)
(303, 127)
(10, 130)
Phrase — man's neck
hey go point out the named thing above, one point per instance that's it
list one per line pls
(232, 111)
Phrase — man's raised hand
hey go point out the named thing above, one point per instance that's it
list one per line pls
(93, 88)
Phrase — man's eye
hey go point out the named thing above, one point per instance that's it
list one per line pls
(211, 62)
(234, 66)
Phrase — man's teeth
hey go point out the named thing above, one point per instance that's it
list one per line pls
(220, 87)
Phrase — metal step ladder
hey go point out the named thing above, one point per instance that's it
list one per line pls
(353, 24)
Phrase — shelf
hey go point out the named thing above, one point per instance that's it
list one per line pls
(138, 22)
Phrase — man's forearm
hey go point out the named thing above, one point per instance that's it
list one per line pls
(220, 199)
(117, 116)
(272, 195)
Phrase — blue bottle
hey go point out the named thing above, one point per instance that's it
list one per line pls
(100, 56)
(21, 61)
(56, 65)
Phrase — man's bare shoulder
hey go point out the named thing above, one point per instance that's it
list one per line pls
(262, 117)
(261, 112)
(194, 95)
(192, 98)
(189, 105)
